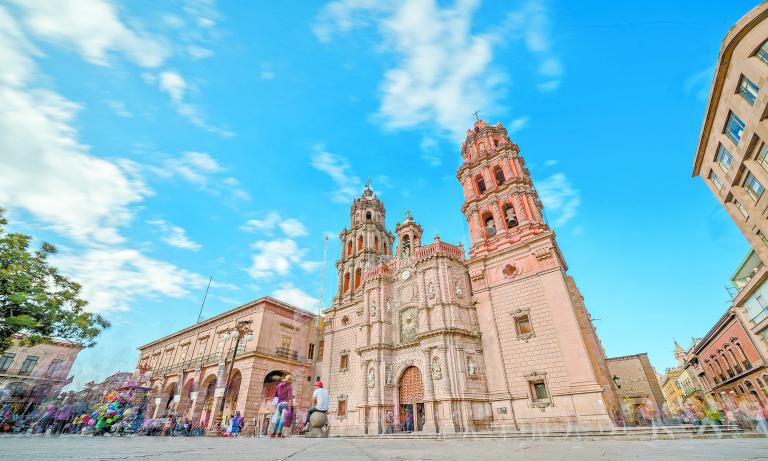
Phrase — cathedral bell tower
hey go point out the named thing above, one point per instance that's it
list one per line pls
(545, 363)
(363, 245)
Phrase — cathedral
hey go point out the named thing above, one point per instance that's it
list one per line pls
(426, 336)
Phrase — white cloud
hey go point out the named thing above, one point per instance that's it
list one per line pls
(94, 28)
(45, 169)
(173, 84)
(177, 88)
(118, 107)
(444, 69)
(296, 297)
(199, 52)
(291, 227)
(202, 170)
(548, 86)
(551, 163)
(266, 72)
(175, 236)
(698, 83)
(430, 151)
(338, 168)
(518, 124)
(560, 199)
(277, 257)
(112, 278)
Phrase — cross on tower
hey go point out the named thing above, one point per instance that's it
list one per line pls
(407, 214)
(368, 184)
(476, 117)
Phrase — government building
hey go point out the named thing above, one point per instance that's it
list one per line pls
(421, 336)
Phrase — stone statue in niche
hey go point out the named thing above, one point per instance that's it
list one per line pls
(388, 376)
(371, 377)
(431, 290)
(373, 310)
(459, 290)
(389, 306)
(471, 366)
(437, 371)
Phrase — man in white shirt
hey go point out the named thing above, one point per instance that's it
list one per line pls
(319, 401)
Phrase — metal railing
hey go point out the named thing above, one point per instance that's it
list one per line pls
(199, 362)
(759, 317)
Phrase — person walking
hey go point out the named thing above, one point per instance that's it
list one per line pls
(237, 425)
(283, 394)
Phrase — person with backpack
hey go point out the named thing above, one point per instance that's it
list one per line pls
(283, 395)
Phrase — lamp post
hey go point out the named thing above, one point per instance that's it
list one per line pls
(241, 331)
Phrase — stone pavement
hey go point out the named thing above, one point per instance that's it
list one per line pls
(298, 448)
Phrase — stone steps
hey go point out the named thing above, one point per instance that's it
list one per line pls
(630, 433)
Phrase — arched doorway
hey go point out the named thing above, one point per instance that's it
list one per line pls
(186, 398)
(411, 399)
(271, 380)
(209, 385)
(233, 389)
(169, 405)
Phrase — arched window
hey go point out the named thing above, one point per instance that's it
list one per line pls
(510, 218)
(349, 247)
(496, 143)
(406, 246)
(499, 175)
(386, 249)
(360, 243)
(368, 215)
(346, 282)
(358, 276)
(480, 184)
(376, 244)
(490, 225)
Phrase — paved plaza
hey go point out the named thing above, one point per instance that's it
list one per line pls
(298, 448)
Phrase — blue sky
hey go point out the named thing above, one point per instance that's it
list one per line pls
(160, 143)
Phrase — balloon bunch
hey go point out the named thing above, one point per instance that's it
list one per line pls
(109, 412)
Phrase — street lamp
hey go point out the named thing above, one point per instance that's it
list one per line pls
(617, 380)
(242, 330)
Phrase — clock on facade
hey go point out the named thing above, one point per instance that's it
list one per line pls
(409, 325)
(405, 275)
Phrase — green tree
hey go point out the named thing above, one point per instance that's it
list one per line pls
(37, 303)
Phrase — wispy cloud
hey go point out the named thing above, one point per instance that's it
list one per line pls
(175, 236)
(444, 70)
(518, 124)
(698, 83)
(202, 170)
(338, 168)
(291, 227)
(297, 297)
(119, 108)
(278, 257)
(430, 151)
(561, 201)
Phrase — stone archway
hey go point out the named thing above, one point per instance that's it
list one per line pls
(411, 399)
(186, 398)
(233, 390)
(204, 403)
(168, 403)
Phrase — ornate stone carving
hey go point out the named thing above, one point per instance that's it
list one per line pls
(471, 366)
(409, 325)
(437, 371)
(371, 377)
(511, 271)
(459, 290)
(543, 253)
(431, 289)
(389, 305)
(374, 310)
(388, 375)
(476, 274)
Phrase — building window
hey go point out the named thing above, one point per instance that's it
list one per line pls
(539, 391)
(509, 216)
(748, 90)
(523, 326)
(6, 361)
(480, 185)
(54, 369)
(346, 282)
(349, 247)
(367, 215)
(762, 52)
(320, 350)
(741, 209)
(715, 180)
(723, 157)
(490, 225)
(344, 362)
(499, 175)
(342, 409)
(28, 365)
(763, 238)
(734, 127)
(762, 157)
(753, 187)
(311, 351)
(358, 277)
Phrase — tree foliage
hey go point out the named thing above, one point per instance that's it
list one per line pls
(37, 303)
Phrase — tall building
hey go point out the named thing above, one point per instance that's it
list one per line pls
(418, 335)
(32, 374)
(192, 370)
(638, 386)
(732, 154)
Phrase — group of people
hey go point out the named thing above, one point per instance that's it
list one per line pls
(52, 417)
(282, 421)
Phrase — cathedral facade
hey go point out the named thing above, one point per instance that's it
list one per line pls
(423, 336)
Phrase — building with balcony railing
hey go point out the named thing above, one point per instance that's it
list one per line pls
(31, 374)
(192, 370)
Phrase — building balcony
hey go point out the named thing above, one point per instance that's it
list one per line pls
(762, 315)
